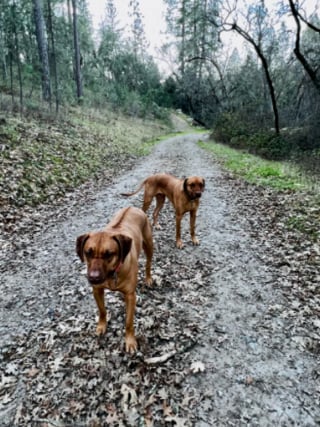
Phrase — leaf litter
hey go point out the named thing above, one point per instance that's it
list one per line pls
(54, 371)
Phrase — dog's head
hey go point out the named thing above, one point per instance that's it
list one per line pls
(194, 187)
(103, 253)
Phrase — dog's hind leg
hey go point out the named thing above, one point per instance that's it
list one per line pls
(146, 202)
(159, 205)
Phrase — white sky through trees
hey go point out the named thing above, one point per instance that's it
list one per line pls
(153, 14)
(153, 17)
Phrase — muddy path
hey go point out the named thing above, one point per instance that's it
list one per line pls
(231, 356)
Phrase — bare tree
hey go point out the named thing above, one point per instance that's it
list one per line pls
(311, 71)
(255, 37)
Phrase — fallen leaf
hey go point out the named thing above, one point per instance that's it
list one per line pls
(197, 367)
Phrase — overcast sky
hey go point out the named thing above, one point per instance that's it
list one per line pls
(151, 10)
(154, 22)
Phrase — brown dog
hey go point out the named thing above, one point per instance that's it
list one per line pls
(112, 256)
(183, 194)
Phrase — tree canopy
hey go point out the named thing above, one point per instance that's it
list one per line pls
(243, 61)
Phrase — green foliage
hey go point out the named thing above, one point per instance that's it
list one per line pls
(305, 218)
(269, 146)
(167, 93)
(297, 223)
(254, 169)
(118, 73)
(8, 132)
(232, 130)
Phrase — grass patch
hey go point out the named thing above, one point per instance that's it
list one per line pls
(303, 207)
(306, 217)
(275, 174)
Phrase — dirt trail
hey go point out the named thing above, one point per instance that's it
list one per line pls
(213, 304)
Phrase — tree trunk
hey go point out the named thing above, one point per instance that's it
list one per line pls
(297, 50)
(183, 36)
(265, 67)
(16, 41)
(53, 56)
(15, 53)
(76, 51)
(43, 50)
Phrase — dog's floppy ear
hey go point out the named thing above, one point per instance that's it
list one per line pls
(203, 183)
(81, 240)
(185, 183)
(124, 243)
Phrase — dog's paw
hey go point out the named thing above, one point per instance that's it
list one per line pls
(131, 344)
(179, 244)
(101, 328)
(195, 241)
(149, 281)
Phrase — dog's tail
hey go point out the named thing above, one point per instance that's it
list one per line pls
(135, 192)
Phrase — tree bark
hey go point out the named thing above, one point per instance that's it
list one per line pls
(183, 36)
(53, 56)
(265, 66)
(43, 50)
(76, 51)
(297, 49)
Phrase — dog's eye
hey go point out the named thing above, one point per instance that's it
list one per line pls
(89, 253)
(192, 185)
(107, 255)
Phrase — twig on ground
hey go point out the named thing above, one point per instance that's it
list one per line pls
(160, 359)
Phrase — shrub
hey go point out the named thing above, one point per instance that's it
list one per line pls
(269, 146)
(231, 129)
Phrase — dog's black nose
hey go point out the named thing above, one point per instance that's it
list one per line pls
(198, 195)
(95, 277)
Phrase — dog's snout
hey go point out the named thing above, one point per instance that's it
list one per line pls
(198, 194)
(95, 277)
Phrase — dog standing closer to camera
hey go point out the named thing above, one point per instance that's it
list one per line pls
(112, 257)
(184, 194)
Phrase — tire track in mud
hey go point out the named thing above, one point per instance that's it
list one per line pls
(213, 304)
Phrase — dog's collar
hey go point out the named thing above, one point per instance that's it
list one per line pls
(116, 270)
(190, 199)
(115, 273)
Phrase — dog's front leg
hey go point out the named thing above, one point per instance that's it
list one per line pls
(131, 342)
(179, 243)
(193, 215)
(98, 294)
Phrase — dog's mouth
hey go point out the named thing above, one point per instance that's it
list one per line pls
(100, 279)
(95, 282)
(195, 196)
